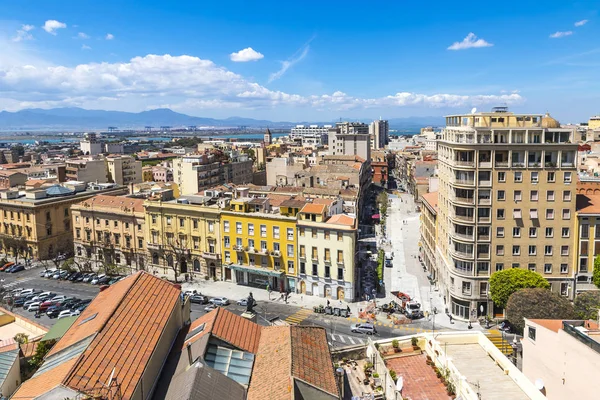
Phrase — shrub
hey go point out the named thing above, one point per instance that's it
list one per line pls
(375, 375)
(537, 303)
(587, 305)
(395, 344)
(393, 375)
(414, 341)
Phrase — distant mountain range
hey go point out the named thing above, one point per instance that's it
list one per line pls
(74, 118)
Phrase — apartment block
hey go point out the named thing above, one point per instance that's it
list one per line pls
(195, 172)
(90, 145)
(124, 170)
(326, 253)
(350, 139)
(87, 170)
(380, 133)
(506, 200)
(428, 232)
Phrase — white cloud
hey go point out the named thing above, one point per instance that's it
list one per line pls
(469, 42)
(85, 47)
(560, 34)
(285, 65)
(581, 23)
(245, 55)
(109, 36)
(52, 25)
(24, 33)
(82, 35)
(188, 84)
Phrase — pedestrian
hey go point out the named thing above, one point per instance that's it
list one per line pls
(451, 318)
(328, 303)
(348, 309)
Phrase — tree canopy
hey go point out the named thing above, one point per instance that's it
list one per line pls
(587, 305)
(596, 275)
(537, 303)
(504, 283)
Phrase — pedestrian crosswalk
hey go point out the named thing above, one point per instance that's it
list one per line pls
(18, 282)
(336, 339)
(298, 316)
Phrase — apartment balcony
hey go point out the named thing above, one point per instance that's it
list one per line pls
(518, 164)
(461, 254)
(153, 246)
(462, 236)
(483, 256)
(327, 261)
(484, 201)
(501, 164)
(485, 164)
(485, 220)
(463, 218)
(277, 253)
(211, 256)
(302, 256)
(464, 200)
(567, 164)
(485, 183)
(469, 164)
(463, 182)
(535, 164)
(239, 248)
(483, 238)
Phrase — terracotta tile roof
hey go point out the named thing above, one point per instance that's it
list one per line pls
(229, 327)
(124, 324)
(557, 324)
(36, 182)
(293, 203)
(43, 383)
(327, 202)
(313, 208)
(588, 204)
(341, 219)
(311, 361)
(9, 173)
(129, 338)
(114, 202)
(271, 375)
(431, 199)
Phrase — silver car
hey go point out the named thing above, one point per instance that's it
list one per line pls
(369, 329)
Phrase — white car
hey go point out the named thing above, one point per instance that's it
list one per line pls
(59, 298)
(26, 292)
(97, 278)
(210, 307)
(219, 301)
(50, 272)
(65, 314)
(34, 306)
(89, 278)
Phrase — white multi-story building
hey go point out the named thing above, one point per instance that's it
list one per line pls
(380, 133)
(300, 131)
(90, 145)
(350, 139)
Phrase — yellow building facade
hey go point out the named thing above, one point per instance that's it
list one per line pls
(259, 243)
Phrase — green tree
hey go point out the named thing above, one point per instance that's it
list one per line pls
(596, 275)
(21, 338)
(42, 348)
(504, 283)
(587, 305)
(537, 303)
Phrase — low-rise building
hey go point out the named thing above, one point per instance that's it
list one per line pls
(110, 230)
(561, 357)
(117, 347)
(9, 178)
(326, 253)
(37, 223)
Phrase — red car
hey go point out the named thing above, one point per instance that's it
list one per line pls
(47, 304)
(6, 266)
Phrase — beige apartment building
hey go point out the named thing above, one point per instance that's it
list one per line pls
(506, 200)
(110, 229)
(326, 253)
(124, 170)
(350, 139)
(429, 232)
(184, 234)
(87, 170)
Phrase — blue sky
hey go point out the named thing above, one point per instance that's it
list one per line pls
(309, 60)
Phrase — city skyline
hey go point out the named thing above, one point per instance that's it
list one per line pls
(317, 63)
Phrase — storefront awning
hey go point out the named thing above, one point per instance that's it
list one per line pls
(255, 270)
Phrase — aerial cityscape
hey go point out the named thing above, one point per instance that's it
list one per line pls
(239, 201)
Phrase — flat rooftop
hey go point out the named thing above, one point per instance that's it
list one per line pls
(474, 363)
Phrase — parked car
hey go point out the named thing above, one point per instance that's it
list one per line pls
(33, 306)
(46, 296)
(52, 312)
(50, 272)
(219, 301)
(17, 268)
(89, 277)
(61, 257)
(65, 314)
(44, 306)
(242, 302)
(210, 307)
(97, 278)
(369, 329)
(198, 299)
(114, 280)
(104, 281)
(73, 277)
(59, 298)
(26, 292)
(6, 266)
(20, 301)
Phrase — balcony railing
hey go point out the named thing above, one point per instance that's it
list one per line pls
(465, 200)
(469, 182)
(501, 164)
(464, 218)
(212, 256)
(485, 183)
(485, 201)
(485, 256)
(483, 237)
(462, 236)
(462, 254)
(485, 164)
(464, 163)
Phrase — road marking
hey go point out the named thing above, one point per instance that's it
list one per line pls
(344, 339)
(299, 316)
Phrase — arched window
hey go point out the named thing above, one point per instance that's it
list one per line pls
(154, 258)
(196, 265)
(170, 261)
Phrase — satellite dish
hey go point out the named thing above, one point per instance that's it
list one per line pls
(473, 110)
(539, 383)
(399, 384)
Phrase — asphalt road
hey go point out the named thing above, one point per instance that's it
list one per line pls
(338, 328)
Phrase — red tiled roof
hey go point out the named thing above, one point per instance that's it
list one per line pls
(420, 381)
(311, 361)
(313, 208)
(588, 204)
(229, 327)
(341, 219)
(431, 199)
(271, 375)
(557, 324)
(118, 202)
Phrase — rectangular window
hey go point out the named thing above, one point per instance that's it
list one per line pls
(535, 177)
(531, 333)
(263, 245)
(326, 234)
(140, 243)
(515, 265)
(466, 288)
(251, 229)
(547, 268)
(550, 214)
(564, 250)
(238, 242)
(500, 250)
(263, 231)
(583, 267)
(499, 266)
(226, 242)
(340, 257)
(327, 271)
(567, 177)
(549, 232)
(567, 195)
(565, 232)
(500, 213)
(303, 268)
(314, 253)
(585, 231)
(501, 176)
(531, 267)
(290, 250)
(301, 231)
(550, 195)
(275, 246)
(251, 244)
(211, 226)
(315, 269)
(532, 232)
(302, 251)
(195, 224)
(238, 228)
(327, 255)
(518, 176)
(533, 195)
(226, 226)
(340, 236)
(564, 268)
(566, 213)
(548, 250)
(516, 231)
(501, 195)
(290, 234)
(227, 256)
(196, 242)
(516, 250)
(517, 195)
(551, 176)
(168, 220)
(532, 250)
(275, 232)
(340, 274)
(290, 266)
(181, 222)
(500, 232)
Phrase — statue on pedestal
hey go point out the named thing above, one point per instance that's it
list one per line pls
(250, 303)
